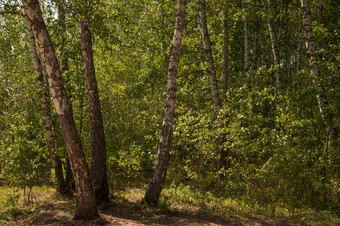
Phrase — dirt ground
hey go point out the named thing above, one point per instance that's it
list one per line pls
(120, 212)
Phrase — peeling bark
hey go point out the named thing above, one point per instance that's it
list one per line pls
(86, 206)
(70, 186)
(157, 183)
(98, 169)
(46, 106)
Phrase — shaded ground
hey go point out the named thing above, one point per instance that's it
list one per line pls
(125, 209)
(123, 212)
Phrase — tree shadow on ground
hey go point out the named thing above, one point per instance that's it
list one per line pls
(122, 212)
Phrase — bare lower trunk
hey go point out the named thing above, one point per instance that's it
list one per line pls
(321, 97)
(157, 183)
(59, 176)
(46, 106)
(208, 53)
(69, 180)
(98, 169)
(86, 203)
(70, 186)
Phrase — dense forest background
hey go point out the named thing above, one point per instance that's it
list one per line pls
(271, 140)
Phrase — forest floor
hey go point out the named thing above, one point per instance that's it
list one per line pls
(125, 209)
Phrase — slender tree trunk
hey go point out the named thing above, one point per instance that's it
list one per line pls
(317, 78)
(273, 41)
(246, 46)
(62, 27)
(299, 51)
(69, 180)
(46, 106)
(208, 53)
(70, 186)
(81, 116)
(286, 41)
(98, 169)
(86, 203)
(212, 74)
(157, 183)
(257, 55)
(225, 54)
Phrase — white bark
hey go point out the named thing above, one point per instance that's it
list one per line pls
(157, 183)
(317, 78)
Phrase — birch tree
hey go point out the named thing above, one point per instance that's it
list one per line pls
(225, 54)
(317, 77)
(273, 42)
(153, 192)
(246, 44)
(86, 206)
(46, 106)
(98, 169)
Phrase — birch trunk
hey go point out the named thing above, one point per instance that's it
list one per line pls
(70, 186)
(321, 97)
(212, 75)
(275, 51)
(257, 55)
(98, 169)
(225, 55)
(62, 26)
(46, 106)
(157, 183)
(86, 206)
(208, 53)
(246, 46)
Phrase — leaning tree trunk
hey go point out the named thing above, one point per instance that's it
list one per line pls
(212, 75)
(86, 206)
(98, 169)
(321, 97)
(208, 53)
(70, 186)
(157, 183)
(46, 106)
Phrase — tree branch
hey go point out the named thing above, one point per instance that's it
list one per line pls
(14, 13)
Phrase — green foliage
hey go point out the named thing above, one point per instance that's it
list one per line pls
(277, 144)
